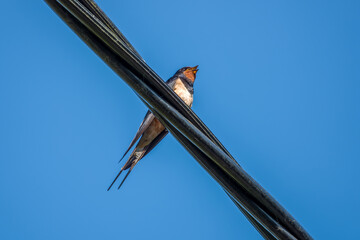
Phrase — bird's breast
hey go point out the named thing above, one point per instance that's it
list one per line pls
(181, 90)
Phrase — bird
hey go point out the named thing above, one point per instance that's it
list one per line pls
(151, 130)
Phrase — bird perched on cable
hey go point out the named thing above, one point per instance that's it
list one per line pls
(151, 130)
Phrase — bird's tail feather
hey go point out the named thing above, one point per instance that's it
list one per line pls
(125, 178)
(131, 162)
(121, 158)
(117, 176)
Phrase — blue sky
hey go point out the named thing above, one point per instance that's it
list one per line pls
(279, 85)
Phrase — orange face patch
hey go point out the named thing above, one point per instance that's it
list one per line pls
(190, 74)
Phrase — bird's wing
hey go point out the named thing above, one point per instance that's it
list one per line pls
(171, 82)
(155, 142)
(149, 117)
(146, 122)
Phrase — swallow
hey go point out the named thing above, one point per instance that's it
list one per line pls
(151, 130)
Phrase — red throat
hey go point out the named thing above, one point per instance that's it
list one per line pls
(190, 75)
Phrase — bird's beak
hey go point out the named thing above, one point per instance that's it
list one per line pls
(194, 69)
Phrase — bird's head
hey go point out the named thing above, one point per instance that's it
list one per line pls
(188, 72)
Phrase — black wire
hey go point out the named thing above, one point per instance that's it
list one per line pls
(213, 152)
(98, 13)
